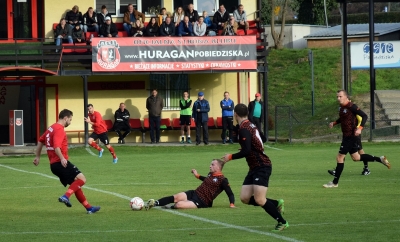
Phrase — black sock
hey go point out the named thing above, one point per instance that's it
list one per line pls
(253, 201)
(164, 201)
(275, 202)
(369, 158)
(365, 164)
(271, 209)
(339, 169)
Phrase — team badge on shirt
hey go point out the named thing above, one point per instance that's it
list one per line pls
(215, 179)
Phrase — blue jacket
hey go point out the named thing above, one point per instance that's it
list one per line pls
(208, 21)
(204, 107)
(227, 107)
(183, 30)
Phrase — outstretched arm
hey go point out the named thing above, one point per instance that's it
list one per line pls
(229, 192)
(245, 144)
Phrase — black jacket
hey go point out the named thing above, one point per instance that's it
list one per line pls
(105, 31)
(121, 118)
(71, 17)
(152, 30)
(78, 34)
(193, 17)
(89, 21)
(135, 32)
(251, 110)
(167, 29)
(218, 18)
(65, 32)
(101, 18)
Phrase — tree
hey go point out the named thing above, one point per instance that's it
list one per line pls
(312, 11)
(278, 38)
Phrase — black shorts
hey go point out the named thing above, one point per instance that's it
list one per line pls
(185, 120)
(359, 142)
(103, 137)
(65, 174)
(192, 196)
(349, 145)
(259, 176)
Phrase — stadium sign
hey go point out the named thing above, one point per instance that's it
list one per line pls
(174, 54)
(386, 54)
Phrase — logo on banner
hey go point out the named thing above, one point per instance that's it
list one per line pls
(108, 56)
(379, 48)
(18, 121)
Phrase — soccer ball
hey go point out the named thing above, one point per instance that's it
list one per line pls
(136, 203)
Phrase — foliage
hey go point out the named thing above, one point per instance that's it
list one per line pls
(312, 12)
(362, 18)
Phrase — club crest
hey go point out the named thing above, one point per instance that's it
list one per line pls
(108, 56)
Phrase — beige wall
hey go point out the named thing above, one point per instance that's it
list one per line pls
(70, 92)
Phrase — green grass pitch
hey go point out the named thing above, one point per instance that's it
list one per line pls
(362, 208)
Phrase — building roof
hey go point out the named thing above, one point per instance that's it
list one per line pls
(354, 31)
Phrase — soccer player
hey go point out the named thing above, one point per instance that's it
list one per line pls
(99, 132)
(227, 106)
(213, 184)
(361, 151)
(255, 184)
(347, 119)
(55, 140)
(185, 118)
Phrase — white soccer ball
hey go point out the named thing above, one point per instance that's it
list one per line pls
(136, 203)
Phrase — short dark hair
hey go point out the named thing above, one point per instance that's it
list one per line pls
(65, 113)
(344, 91)
(221, 163)
(163, 9)
(240, 5)
(89, 105)
(241, 110)
(103, 7)
(154, 89)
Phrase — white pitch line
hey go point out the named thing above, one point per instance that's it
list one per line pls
(171, 211)
(272, 147)
(90, 152)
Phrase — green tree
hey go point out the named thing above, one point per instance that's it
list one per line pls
(312, 12)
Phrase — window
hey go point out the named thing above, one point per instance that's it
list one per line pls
(211, 6)
(170, 87)
(119, 7)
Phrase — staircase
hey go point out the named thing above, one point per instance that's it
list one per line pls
(389, 101)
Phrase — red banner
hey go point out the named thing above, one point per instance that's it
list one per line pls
(152, 54)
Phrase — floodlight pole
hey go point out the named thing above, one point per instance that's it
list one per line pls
(345, 74)
(371, 67)
(311, 61)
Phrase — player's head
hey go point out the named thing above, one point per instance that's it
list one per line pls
(185, 94)
(154, 92)
(241, 111)
(342, 97)
(122, 106)
(90, 108)
(226, 95)
(65, 117)
(216, 165)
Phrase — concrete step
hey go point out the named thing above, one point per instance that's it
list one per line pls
(389, 99)
(395, 123)
(392, 116)
(392, 110)
(388, 93)
(387, 105)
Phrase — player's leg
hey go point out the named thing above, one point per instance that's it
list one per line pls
(183, 126)
(104, 139)
(80, 196)
(91, 141)
(370, 158)
(184, 205)
(69, 175)
(187, 124)
(182, 196)
(338, 171)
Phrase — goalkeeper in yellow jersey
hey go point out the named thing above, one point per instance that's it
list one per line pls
(366, 170)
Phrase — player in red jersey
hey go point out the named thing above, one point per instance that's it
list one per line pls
(213, 184)
(99, 132)
(255, 184)
(55, 140)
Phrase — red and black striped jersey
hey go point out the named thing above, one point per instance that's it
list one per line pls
(213, 184)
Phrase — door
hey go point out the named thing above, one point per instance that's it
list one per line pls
(21, 19)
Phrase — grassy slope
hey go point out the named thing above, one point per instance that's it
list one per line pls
(290, 82)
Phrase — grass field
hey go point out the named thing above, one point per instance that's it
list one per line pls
(362, 208)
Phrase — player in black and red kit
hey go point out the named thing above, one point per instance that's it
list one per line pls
(348, 112)
(213, 184)
(55, 140)
(255, 185)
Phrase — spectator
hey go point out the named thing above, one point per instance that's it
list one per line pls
(74, 17)
(179, 15)
(109, 29)
(230, 27)
(137, 29)
(63, 33)
(201, 107)
(200, 28)
(221, 17)
(154, 105)
(77, 34)
(227, 106)
(121, 123)
(90, 22)
(152, 28)
(130, 18)
(167, 28)
(211, 27)
(192, 14)
(163, 16)
(101, 17)
(241, 19)
(256, 112)
(185, 28)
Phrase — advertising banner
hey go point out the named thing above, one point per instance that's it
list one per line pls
(164, 54)
(386, 54)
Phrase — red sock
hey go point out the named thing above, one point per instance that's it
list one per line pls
(94, 145)
(82, 199)
(111, 149)
(75, 186)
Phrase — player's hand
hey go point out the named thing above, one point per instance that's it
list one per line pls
(64, 162)
(232, 205)
(36, 161)
(358, 132)
(87, 120)
(194, 172)
(331, 125)
(226, 157)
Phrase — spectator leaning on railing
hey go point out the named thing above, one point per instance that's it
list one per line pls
(200, 28)
(90, 21)
(152, 28)
(221, 17)
(74, 17)
(241, 19)
(185, 28)
(137, 29)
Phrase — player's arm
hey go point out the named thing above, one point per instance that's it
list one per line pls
(58, 136)
(182, 106)
(188, 104)
(223, 107)
(364, 117)
(38, 152)
(197, 175)
(231, 108)
(245, 150)
(331, 124)
(96, 123)
(117, 116)
(227, 188)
